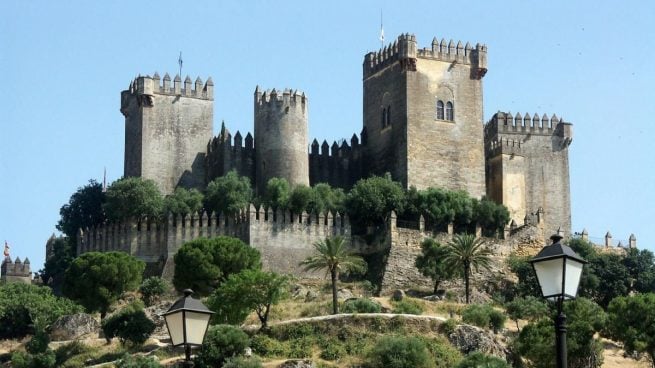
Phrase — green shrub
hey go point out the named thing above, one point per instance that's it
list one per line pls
(152, 289)
(360, 305)
(23, 306)
(38, 343)
(400, 352)
(138, 361)
(241, 362)
(407, 306)
(448, 326)
(300, 348)
(334, 351)
(130, 325)
(484, 316)
(443, 353)
(477, 359)
(66, 352)
(221, 342)
(41, 360)
(316, 309)
(294, 331)
(268, 347)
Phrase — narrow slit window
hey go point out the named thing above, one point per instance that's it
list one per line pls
(450, 116)
(388, 115)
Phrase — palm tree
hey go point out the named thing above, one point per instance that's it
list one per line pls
(468, 252)
(333, 256)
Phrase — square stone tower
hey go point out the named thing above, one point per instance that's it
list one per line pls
(167, 129)
(423, 115)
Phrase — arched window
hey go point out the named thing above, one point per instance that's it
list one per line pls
(450, 116)
(440, 110)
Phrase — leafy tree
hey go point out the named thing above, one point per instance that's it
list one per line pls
(130, 325)
(84, 209)
(202, 264)
(152, 288)
(299, 198)
(609, 268)
(57, 263)
(331, 255)
(325, 198)
(277, 194)
(477, 359)
(432, 262)
(466, 252)
(490, 215)
(183, 201)
(246, 291)
(228, 194)
(400, 352)
(631, 320)
(24, 307)
(640, 265)
(97, 279)
(536, 341)
(527, 284)
(133, 198)
(221, 343)
(528, 308)
(444, 206)
(371, 200)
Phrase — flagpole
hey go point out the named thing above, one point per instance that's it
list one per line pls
(179, 60)
(381, 31)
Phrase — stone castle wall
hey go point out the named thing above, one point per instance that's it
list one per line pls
(284, 239)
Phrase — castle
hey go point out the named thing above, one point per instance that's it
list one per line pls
(15, 271)
(423, 123)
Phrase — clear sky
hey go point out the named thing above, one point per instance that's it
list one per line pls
(65, 63)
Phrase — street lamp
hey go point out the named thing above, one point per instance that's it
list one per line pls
(558, 270)
(187, 320)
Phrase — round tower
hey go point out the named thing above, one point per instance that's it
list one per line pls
(281, 137)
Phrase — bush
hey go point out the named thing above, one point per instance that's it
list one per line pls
(25, 360)
(130, 325)
(443, 353)
(268, 347)
(300, 348)
(23, 306)
(360, 305)
(477, 359)
(407, 306)
(333, 351)
(221, 342)
(139, 361)
(400, 352)
(241, 362)
(484, 316)
(66, 352)
(152, 289)
(448, 326)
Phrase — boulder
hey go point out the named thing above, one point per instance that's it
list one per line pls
(154, 312)
(398, 295)
(344, 294)
(468, 338)
(297, 364)
(74, 326)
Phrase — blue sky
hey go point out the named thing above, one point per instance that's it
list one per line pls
(65, 63)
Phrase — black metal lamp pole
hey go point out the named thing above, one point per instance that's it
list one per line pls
(188, 363)
(560, 336)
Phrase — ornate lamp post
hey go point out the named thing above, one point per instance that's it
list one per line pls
(187, 321)
(558, 270)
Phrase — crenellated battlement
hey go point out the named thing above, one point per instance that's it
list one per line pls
(405, 48)
(339, 164)
(506, 122)
(16, 270)
(272, 97)
(147, 85)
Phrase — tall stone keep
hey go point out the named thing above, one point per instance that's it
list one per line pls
(281, 137)
(528, 167)
(423, 114)
(167, 128)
